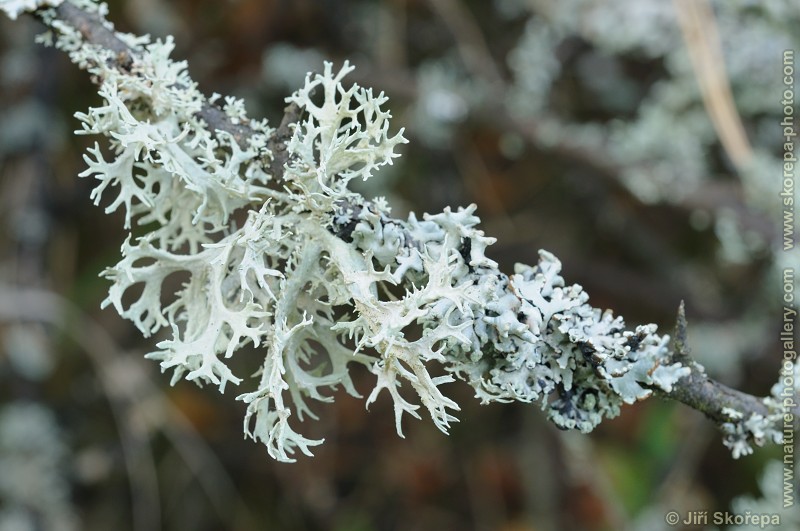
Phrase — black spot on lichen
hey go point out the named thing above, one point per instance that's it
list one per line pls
(634, 341)
(588, 350)
(345, 231)
(465, 250)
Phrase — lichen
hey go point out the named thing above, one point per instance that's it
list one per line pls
(288, 261)
(14, 8)
(314, 251)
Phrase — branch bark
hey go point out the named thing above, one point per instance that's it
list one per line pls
(98, 31)
(705, 394)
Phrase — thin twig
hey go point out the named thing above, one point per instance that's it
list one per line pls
(699, 27)
(30, 304)
(93, 28)
(469, 40)
(708, 396)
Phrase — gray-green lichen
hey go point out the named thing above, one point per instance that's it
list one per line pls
(316, 277)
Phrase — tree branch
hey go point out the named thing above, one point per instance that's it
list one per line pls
(706, 395)
(98, 31)
(696, 390)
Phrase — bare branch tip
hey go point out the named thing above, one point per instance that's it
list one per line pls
(681, 347)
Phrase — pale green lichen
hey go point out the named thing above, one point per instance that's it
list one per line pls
(14, 8)
(316, 278)
(315, 249)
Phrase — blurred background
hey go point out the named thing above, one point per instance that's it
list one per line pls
(638, 140)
